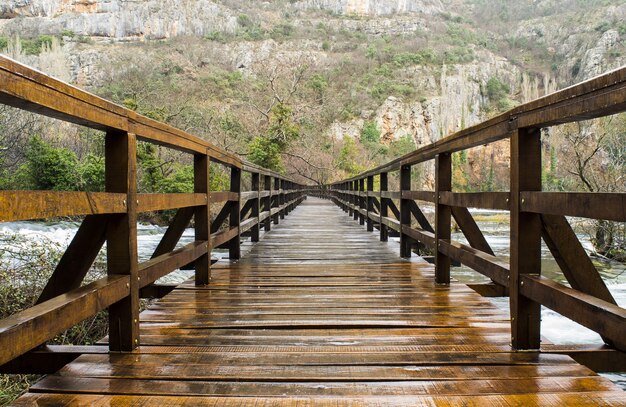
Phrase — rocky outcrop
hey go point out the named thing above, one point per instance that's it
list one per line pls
(374, 7)
(115, 19)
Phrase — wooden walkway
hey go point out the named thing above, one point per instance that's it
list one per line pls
(322, 313)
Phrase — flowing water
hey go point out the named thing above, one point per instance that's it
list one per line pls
(554, 327)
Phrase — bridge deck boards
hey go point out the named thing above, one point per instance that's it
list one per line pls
(322, 313)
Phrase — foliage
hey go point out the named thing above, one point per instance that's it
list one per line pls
(349, 157)
(266, 153)
(497, 92)
(51, 168)
(34, 46)
(401, 146)
(282, 128)
(91, 172)
(370, 133)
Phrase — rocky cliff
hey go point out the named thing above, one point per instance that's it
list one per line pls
(115, 19)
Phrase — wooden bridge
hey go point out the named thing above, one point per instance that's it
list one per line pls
(316, 309)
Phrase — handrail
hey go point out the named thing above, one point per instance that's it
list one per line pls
(111, 216)
(534, 214)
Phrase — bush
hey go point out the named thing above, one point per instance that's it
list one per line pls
(266, 153)
(36, 45)
(50, 167)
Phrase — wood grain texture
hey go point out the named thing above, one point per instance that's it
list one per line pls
(321, 312)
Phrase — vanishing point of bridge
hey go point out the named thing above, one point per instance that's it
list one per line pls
(319, 306)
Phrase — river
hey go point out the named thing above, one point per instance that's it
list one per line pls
(554, 327)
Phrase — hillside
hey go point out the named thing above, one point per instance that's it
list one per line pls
(284, 82)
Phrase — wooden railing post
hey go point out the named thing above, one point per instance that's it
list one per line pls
(255, 187)
(384, 211)
(370, 203)
(350, 199)
(121, 176)
(355, 199)
(276, 201)
(234, 246)
(267, 202)
(443, 182)
(281, 200)
(525, 237)
(405, 211)
(202, 217)
(361, 200)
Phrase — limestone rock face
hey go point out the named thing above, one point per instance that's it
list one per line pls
(375, 7)
(115, 19)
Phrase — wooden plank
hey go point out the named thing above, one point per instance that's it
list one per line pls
(27, 329)
(219, 238)
(221, 217)
(77, 259)
(246, 195)
(443, 182)
(608, 206)
(121, 177)
(477, 260)
(202, 229)
(428, 196)
(174, 231)
(525, 237)
(470, 229)
(384, 212)
(164, 135)
(609, 320)
(420, 217)
(599, 358)
(156, 290)
(160, 202)
(483, 200)
(420, 235)
(572, 258)
(405, 212)
(490, 289)
(248, 224)
(613, 398)
(37, 92)
(47, 359)
(222, 196)
(162, 265)
(27, 205)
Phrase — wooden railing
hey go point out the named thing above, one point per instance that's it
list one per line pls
(111, 216)
(533, 214)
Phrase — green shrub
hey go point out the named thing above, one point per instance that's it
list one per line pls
(36, 45)
(51, 168)
(266, 153)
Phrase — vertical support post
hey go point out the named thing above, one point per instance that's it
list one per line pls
(349, 200)
(281, 200)
(525, 237)
(121, 177)
(443, 182)
(384, 206)
(405, 211)
(370, 203)
(276, 202)
(234, 220)
(201, 168)
(267, 201)
(255, 187)
(361, 201)
(355, 199)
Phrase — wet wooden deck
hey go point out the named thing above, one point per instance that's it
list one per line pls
(322, 313)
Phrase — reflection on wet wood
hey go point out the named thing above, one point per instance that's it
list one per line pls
(322, 313)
